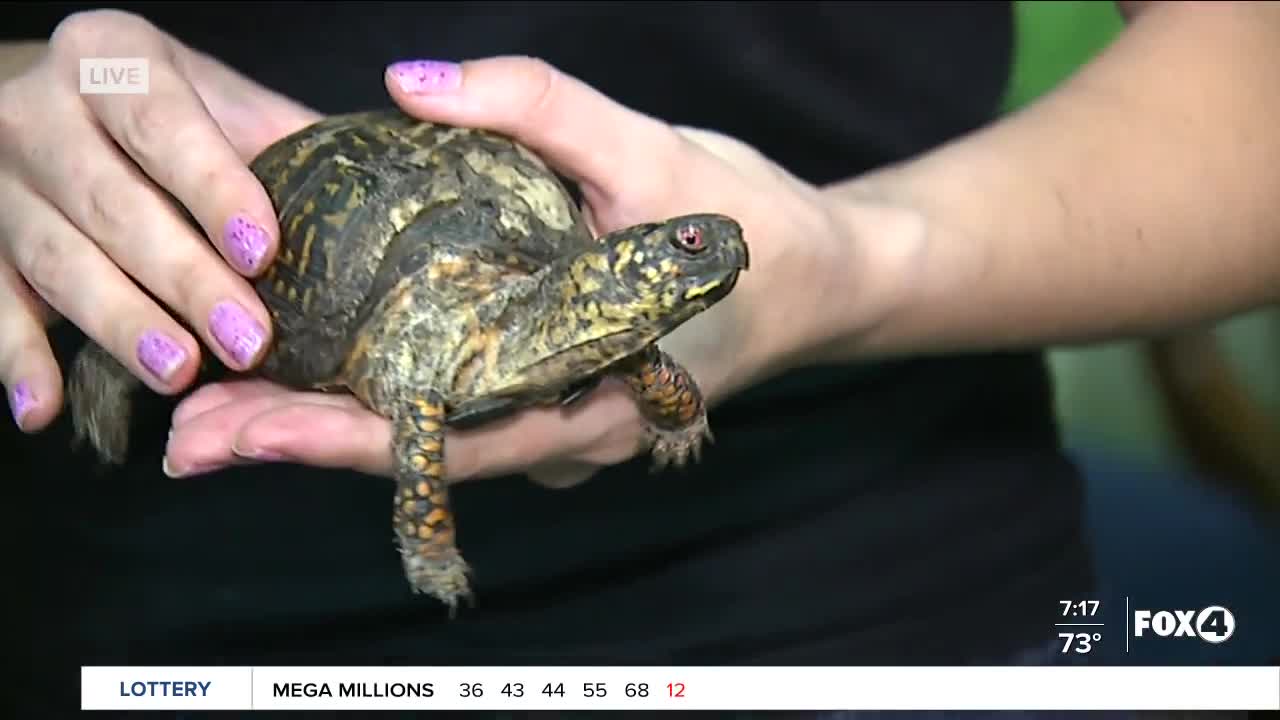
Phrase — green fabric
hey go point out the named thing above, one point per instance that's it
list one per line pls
(1053, 40)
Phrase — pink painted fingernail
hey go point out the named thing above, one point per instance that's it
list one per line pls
(426, 77)
(22, 401)
(160, 354)
(236, 331)
(246, 242)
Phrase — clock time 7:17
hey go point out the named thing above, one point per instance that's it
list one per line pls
(1079, 608)
(1079, 642)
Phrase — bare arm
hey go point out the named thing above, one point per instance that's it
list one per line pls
(1141, 196)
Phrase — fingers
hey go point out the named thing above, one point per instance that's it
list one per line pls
(28, 369)
(175, 141)
(113, 165)
(167, 131)
(79, 282)
(214, 395)
(110, 202)
(319, 435)
(227, 423)
(551, 443)
(586, 135)
(235, 403)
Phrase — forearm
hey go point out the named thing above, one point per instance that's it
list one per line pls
(1141, 196)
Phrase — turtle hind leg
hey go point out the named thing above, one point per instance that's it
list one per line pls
(422, 516)
(672, 403)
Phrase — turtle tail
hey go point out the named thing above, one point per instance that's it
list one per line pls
(100, 394)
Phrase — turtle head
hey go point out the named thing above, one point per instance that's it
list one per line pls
(662, 274)
(637, 284)
(624, 292)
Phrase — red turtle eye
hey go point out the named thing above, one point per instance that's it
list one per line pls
(690, 238)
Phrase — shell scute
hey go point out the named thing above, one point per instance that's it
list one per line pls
(368, 198)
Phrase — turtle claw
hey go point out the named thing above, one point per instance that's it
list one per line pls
(676, 447)
(444, 577)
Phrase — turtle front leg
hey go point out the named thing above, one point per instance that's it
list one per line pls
(672, 403)
(423, 519)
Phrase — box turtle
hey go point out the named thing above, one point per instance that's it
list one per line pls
(445, 276)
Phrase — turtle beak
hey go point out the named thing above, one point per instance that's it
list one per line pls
(737, 255)
(731, 280)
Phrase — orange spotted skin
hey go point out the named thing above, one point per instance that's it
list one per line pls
(665, 390)
(672, 402)
(444, 277)
(422, 518)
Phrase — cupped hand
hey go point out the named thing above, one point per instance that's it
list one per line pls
(89, 228)
(632, 169)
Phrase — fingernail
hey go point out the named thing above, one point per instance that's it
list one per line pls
(236, 331)
(168, 469)
(195, 469)
(188, 471)
(246, 242)
(160, 355)
(22, 401)
(426, 77)
(259, 454)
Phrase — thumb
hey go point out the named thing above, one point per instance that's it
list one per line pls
(599, 143)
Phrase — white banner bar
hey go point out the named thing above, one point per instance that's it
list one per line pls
(680, 688)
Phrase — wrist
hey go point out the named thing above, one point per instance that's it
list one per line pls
(919, 265)
(821, 284)
(787, 307)
(886, 245)
(877, 273)
(835, 273)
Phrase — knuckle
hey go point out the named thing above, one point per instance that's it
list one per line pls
(222, 186)
(77, 31)
(107, 210)
(88, 30)
(208, 173)
(21, 346)
(43, 260)
(189, 278)
(543, 81)
(148, 127)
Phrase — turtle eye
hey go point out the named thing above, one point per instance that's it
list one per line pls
(689, 238)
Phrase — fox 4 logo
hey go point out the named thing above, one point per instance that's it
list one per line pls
(1214, 624)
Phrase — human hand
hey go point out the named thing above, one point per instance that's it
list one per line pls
(631, 169)
(88, 225)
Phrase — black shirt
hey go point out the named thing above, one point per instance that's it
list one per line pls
(904, 512)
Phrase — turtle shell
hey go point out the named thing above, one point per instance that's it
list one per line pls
(364, 199)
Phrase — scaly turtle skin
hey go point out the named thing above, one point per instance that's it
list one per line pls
(444, 276)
